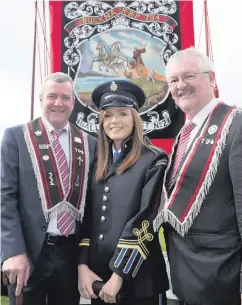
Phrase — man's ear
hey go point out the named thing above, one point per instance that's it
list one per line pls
(40, 100)
(212, 79)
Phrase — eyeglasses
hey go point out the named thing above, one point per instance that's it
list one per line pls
(186, 78)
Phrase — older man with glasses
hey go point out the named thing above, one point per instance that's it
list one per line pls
(201, 204)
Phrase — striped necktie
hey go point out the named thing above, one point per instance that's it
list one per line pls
(181, 149)
(65, 221)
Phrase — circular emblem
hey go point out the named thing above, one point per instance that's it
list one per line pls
(212, 129)
(45, 158)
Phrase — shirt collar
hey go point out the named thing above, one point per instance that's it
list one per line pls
(114, 150)
(202, 114)
(49, 127)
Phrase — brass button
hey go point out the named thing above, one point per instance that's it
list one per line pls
(101, 237)
(104, 208)
(103, 218)
(106, 189)
(105, 198)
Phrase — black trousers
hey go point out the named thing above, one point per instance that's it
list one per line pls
(158, 300)
(237, 301)
(54, 280)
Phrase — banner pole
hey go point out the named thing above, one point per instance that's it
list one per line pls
(33, 65)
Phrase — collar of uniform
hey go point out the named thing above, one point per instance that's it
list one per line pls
(202, 114)
(49, 127)
(126, 145)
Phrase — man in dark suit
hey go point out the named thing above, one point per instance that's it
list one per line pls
(45, 169)
(201, 205)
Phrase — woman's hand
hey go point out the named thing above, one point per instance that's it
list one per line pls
(85, 279)
(111, 289)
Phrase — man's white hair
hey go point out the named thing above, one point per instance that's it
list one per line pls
(204, 62)
(58, 77)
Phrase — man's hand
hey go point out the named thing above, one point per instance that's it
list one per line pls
(17, 268)
(85, 279)
(111, 289)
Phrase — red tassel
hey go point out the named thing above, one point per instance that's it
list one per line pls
(216, 92)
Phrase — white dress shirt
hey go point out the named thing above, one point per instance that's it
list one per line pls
(114, 150)
(200, 118)
(64, 142)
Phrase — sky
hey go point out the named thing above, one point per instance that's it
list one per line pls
(16, 53)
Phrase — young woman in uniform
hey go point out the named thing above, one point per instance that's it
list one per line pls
(118, 244)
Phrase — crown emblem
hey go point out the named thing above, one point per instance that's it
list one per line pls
(113, 86)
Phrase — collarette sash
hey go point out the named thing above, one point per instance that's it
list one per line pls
(47, 173)
(182, 205)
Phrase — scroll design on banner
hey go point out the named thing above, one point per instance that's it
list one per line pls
(155, 16)
(131, 40)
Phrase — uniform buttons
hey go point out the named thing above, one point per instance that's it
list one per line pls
(105, 198)
(106, 189)
(104, 208)
(101, 237)
(103, 218)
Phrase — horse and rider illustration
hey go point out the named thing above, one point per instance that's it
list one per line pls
(110, 60)
(113, 61)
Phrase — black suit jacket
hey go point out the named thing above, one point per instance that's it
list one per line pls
(23, 226)
(205, 264)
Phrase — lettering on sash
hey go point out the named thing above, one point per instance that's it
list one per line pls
(44, 146)
(207, 141)
(78, 150)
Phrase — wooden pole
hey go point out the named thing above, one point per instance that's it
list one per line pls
(206, 27)
(33, 65)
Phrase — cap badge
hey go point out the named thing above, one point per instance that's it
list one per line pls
(113, 86)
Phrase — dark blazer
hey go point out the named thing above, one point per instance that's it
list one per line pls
(23, 226)
(205, 264)
(119, 208)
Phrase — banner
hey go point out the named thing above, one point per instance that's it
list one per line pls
(98, 41)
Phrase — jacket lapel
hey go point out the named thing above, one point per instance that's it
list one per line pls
(113, 166)
(125, 148)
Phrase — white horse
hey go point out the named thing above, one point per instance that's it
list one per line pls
(115, 60)
(102, 56)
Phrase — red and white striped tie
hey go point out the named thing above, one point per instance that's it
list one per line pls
(65, 221)
(181, 149)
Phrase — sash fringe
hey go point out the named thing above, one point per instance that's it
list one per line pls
(63, 206)
(167, 216)
(35, 168)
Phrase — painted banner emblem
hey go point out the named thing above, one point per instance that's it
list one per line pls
(132, 40)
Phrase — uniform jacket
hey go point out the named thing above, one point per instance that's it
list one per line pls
(23, 226)
(205, 264)
(118, 235)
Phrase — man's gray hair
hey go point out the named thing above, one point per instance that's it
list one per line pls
(204, 62)
(58, 77)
